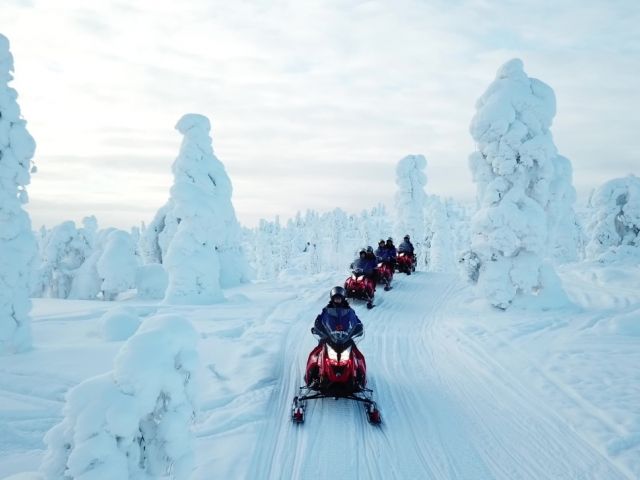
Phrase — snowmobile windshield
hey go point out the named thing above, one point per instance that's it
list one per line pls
(339, 337)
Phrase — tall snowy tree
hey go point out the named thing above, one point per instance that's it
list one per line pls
(18, 246)
(614, 225)
(515, 168)
(410, 201)
(200, 238)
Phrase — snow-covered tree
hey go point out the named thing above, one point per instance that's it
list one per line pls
(87, 282)
(614, 225)
(63, 250)
(314, 243)
(204, 253)
(410, 201)
(563, 224)
(117, 265)
(154, 241)
(202, 194)
(515, 169)
(441, 248)
(18, 247)
(133, 422)
(151, 281)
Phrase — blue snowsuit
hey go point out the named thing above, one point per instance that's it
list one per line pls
(391, 252)
(365, 264)
(337, 318)
(383, 254)
(405, 247)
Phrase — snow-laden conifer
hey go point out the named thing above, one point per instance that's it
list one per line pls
(614, 224)
(117, 265)
(133, 422)
(564, 227)
(410, 199)
(63, 250)
(314, 242)
(18, 247)
(441, 249)
(196, 235)
(516, 168)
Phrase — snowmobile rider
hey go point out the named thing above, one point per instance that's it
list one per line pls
(337, 315)
(373, 259)
(381, 252)
(406, 246)
(365, 264)
(391, 251)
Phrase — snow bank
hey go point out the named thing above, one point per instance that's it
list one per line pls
(614, 225)
(119, 324)
(17, 242)
(133, 422)
(516, 169)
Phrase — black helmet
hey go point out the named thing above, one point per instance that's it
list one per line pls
(362, 250)
(390, 239)
(406, 237)
(369, 249)
(381, 242)
(337, 292)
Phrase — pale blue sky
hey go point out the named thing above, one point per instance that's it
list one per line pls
(312, 102)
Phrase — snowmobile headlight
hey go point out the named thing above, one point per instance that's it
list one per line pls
(339, 358)
(333, 355)
(344, 356)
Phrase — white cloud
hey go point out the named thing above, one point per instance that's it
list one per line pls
(296, 90)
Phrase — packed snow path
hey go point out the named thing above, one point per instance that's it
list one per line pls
(449, 411)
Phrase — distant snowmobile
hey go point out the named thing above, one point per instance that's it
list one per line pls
(406, 262)
(336, 369)
(384, 271)
(360, 287)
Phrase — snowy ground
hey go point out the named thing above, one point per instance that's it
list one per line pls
(465, 391)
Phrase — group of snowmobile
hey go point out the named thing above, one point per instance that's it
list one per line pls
(336, 367)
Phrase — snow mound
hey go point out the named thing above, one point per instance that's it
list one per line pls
(119, 324)
(133, 422)
(627, 324)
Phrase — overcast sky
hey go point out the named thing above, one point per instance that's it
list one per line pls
(312, 102)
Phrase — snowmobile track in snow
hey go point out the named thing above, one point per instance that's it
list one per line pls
(449, 410)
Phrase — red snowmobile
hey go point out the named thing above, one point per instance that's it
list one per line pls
(336, 369)
(384, 271)
(360, 287)
(406, 262)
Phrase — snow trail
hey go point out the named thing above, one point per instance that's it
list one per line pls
(449, 410)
